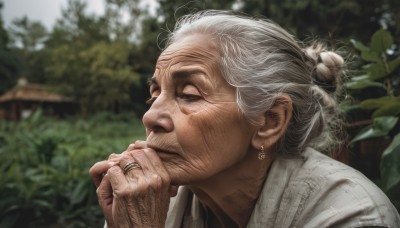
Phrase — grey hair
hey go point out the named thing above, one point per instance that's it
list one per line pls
(263, 61)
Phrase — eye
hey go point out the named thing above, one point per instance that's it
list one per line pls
(189, 93)
(188, 97)
(154, 92)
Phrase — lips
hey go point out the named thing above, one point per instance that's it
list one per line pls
(162, 150)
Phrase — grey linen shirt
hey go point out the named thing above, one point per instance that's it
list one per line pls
(311, 190)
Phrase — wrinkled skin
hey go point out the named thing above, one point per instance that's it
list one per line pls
(138, 199)
(194, 132)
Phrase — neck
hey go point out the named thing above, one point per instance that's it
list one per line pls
(232, 194)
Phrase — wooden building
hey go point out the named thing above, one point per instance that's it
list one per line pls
(25, 98)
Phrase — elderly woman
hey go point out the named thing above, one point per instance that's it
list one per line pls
(239, 112)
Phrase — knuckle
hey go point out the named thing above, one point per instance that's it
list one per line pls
(142, 187)
(131, 146)
(138, 154)
(113, 170)
(113, 155)
(156, 181)
(125, 192)
(167, 180)
(140, 142)
(129, 191)
(126, 153)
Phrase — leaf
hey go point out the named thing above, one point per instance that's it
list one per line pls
(366, 53)
(385, 106)
(79, 193)
(347, 107)
(380, 127)
(42, 203)
(377, 102)
(390, 164)
(390, 109)
(359, 46)
(362, 84)
(371, 56)
(377, 71)
(394, 64)
(381, 40)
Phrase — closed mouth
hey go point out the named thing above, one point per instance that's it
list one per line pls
(164, 151)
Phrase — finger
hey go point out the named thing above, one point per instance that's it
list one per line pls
(105, 197)
(104, 192)
(114, 156)
(140, 144)
(140, 157)
(153, 169)
(131, 147)
(98, 170)
(120, 185)
(139, 179)
(129, 164)
(157, 163)
(130, 167)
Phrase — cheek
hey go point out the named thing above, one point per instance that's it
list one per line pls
(217, 138)
(192, 109)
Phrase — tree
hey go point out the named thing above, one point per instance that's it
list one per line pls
(29, 35)
(27, 42)
(329, 20)
(9, 65)
(170, 10)
(123, 17)
(89, 58)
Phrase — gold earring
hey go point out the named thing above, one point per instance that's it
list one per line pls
(261, 154)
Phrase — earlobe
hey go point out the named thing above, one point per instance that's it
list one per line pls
(274, 123)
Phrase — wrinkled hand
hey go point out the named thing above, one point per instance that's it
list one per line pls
(139, 198)
(98, 173)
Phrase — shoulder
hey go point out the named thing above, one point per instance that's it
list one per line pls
(324, 192)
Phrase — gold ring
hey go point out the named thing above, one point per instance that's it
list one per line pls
(131, 165)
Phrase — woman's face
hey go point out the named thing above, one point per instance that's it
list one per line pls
(194, 122)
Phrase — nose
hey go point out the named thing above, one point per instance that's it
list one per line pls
(158, 118)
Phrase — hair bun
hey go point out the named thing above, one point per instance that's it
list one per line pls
(326, 66)
(329, 67)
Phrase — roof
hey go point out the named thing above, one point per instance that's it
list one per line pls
(32, 92)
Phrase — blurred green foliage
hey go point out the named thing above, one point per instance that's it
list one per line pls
(45, 163)
(380, 72)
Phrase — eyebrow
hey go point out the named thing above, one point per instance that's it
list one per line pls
(179, 74)
(186, 73)
(152, 82)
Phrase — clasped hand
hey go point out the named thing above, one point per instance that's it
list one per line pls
(133, 188)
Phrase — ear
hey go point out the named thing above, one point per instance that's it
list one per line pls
(274, 123)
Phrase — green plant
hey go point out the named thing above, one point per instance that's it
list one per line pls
(375, 90)
(45, 163)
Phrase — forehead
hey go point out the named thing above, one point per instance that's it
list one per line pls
(195, 49)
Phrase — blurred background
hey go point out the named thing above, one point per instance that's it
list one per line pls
(73, 85)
